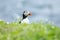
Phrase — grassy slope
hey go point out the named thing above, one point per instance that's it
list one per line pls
(39, 31)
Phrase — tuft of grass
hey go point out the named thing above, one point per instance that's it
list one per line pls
(33, 31)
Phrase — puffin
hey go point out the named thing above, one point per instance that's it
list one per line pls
(25, 17)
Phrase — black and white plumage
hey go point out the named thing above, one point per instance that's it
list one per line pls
(25, 17)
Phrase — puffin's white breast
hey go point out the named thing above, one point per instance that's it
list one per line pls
(26, 20)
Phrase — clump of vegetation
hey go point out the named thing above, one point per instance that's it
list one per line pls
(33, 31)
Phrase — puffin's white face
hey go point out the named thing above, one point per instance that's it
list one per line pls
(27, 13)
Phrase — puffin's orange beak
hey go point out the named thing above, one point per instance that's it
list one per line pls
(30, 14)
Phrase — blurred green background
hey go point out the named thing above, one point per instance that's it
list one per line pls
(33, 31)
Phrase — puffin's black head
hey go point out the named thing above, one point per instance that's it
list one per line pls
(26, 14)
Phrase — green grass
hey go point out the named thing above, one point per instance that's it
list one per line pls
(33, 31)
